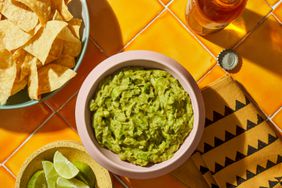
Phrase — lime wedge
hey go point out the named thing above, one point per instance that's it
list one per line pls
(64, 167)
(86, 173)
(37, 180)
(71, 183)
(50, 174)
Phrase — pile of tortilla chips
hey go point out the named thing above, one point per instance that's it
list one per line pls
(39, 40)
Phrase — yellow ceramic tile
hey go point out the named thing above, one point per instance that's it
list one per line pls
(277, 119)
(163, 181)
(165, 1)
(215, 73)
(6, 180)
(92, 57)
(261, 70)
(55, 129)
(272, 2)
(167, 36)
(278, 12)
(114, 23)
(16, 125)
(228, 37)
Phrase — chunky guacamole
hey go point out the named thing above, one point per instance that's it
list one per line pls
(142, 115)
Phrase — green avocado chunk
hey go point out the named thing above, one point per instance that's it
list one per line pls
(143, 115)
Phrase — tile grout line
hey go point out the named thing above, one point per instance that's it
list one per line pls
(142, 30)
(28, 138)
(69, 99)
(97, 45)
(166, 5)
(9, 171)
(275, 113)
(120, 181)
(276, 4)
(210, 70)
(67, 122)
(191, 33)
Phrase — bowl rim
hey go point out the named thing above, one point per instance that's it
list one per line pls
(82, 103)
(70, 144)
(78, 63)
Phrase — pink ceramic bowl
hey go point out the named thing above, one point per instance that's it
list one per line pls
(110, 160)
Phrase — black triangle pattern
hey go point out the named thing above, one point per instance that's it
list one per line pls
(239, 156)
(269, 164)
(272, 183)
(239, 180)
(250, 124)
(214, 186)
(218, 167)
(203, 169)
(229, 185)
(239, 130)
(228, 136)
(250, 174)
(207, 147)
(228, 161)
(279, 160)
(251, 150)
(239, 105)
(227, 111)
(271, 138)
(260, 119)
(262, 187)
(261, 144)
(217, 141)
(259, 170)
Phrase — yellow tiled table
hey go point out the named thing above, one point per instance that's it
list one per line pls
(157, 25)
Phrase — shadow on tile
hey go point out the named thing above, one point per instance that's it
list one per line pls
(104, 26)
(237, 28)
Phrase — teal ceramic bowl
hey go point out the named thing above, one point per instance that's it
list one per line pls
(79, 10)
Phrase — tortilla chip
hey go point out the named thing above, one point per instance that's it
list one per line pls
(24, 19)
(67, 61)
(33, 84)
(22, 59)
(8, 72)
(14, 37)
(74, 26)
(42, 8)
(56, 51)
(41, 44)
(67, 1)
(19, 85)
(61, 6)
(57, 48)
(52, 77)
(57, 16)
(72, 45)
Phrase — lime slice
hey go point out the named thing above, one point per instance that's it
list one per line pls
(50, 174)
(86, 173)
(37, 180)
(72, 183)
(64, 167)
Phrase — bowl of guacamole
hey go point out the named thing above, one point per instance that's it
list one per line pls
(140, 114)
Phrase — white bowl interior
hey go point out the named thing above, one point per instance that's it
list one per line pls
(111, 160)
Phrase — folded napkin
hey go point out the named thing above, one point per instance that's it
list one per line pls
(238, 148)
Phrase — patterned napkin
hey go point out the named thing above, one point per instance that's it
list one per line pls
(238, 148)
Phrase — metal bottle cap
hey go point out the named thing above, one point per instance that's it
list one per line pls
(228, 59)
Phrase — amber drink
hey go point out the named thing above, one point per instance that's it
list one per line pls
(207, 16)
